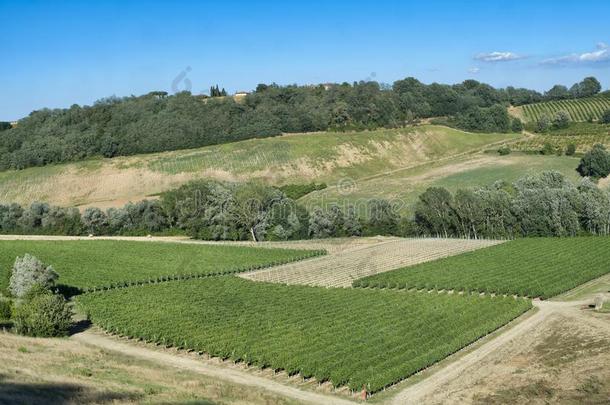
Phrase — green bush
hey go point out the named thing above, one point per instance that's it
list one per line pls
(571, 150)
(43, 315)
(605, 119)
(6, 308)
(504, 150)
(547, 149)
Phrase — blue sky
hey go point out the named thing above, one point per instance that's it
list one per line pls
(57, 53)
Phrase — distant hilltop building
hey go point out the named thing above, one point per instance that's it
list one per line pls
(14, 124)
(240, 95)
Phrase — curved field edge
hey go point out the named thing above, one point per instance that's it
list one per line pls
(85, 265)
(351, 337)
(534, 267)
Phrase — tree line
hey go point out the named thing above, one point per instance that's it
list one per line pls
(545, 204)
(158, 122)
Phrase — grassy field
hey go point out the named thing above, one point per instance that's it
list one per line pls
(580, 109)
(87, 264)
(358, 338)
(404, 187)
(66, 371)
(542, 267)
(297, 158)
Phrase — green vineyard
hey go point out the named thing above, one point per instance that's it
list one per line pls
(581, 109)
(542, 267)
(350, 337)
(103, 263)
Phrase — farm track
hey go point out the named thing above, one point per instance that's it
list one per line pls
(334, 245)
(453, 370)
(342, 268)
(197, 365)
(416, 393)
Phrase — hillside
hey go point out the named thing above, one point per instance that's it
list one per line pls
(404, 186)
(298, 158)
(580, 109)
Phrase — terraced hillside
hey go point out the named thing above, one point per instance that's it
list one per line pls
(295, 158)
(581, 109)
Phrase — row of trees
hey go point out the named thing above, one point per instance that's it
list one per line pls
(138, 218)
(206, 210)
(590, 86)
(159, 122)
(537, 205)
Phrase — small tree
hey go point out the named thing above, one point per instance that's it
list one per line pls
(547, 149)
(595, 163)
(94, 220)
(516, 125)
(543, 124)
(571, 150)
(605, 119)
(43, 314)
(561, 120)
(28, 272)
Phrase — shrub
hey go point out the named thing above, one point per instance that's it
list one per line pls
(27, 272)
(547, 149)
(504, 150)
(543, 124)
(95, 220)
(6, 308)
(516, 125)
(561, 120)
(595, 163)
(43, 315)
(605, 119)
(571, 150)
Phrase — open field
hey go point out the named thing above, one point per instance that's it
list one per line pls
(580, 109)
(404, 186)
(342, 268)
(542, 267)
(297, 158)
(89, 264)
(358, 338)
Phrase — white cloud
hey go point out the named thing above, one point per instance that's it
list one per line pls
(601, 54)
(474, 70)
(498, 57)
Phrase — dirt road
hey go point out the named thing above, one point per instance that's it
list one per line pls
(222, 372)
(415, 394)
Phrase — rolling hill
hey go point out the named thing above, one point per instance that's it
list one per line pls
(296, 158)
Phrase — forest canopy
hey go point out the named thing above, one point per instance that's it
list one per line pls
(158, 122)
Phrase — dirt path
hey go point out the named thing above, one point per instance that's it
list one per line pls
(221, 372)
(415, 394)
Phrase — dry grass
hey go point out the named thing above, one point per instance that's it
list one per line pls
(64, 371)
(299, 158)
